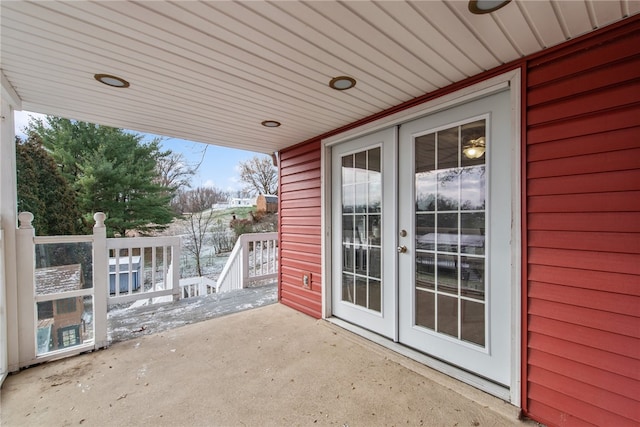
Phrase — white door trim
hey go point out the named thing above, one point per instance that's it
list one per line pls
(510, 79)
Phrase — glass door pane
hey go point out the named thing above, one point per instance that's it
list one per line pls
(450, 217)
(361, 229)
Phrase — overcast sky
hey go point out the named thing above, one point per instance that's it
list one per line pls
(218, 169)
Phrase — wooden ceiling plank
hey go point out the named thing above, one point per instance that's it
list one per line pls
(219, 52)
(399, 32)
(338, 48)
(631, 6)
(52, 88)
(304, 33)
(485, 29)
(606, 12)
(156, 89)
(154, 113)
(171, 129)
(422, 28)
(57, 42)
(517, 28)
(576, 17)
(265, 43)
(544, 22)
(463, 38)
(242, 72)
(370, 41)
(341, 27)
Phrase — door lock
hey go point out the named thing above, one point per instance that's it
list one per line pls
(403, 233)
(402, 249)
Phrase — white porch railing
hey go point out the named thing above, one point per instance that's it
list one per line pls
(143, 267)
(254, 258)
(66, 283)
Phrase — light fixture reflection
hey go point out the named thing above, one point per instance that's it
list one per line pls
(474, 149)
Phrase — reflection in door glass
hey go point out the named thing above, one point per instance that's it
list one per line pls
(361, 229)
(63, 321)
(450, 230)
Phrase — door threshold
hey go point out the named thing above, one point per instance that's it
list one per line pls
(466, 377)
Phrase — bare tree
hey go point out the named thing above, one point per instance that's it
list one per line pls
(259, 175)
(196, 206)
(173, 170)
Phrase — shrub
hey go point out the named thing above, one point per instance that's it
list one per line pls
(241, 226)
(222, 239)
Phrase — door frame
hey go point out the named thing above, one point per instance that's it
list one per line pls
(512, 80)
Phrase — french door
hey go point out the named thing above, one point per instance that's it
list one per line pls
(455, 199)
(439, 277)
(363, 197)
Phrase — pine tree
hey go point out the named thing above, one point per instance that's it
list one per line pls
(111, 171)
(43, 191)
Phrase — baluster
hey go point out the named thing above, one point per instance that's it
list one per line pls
(153, 267)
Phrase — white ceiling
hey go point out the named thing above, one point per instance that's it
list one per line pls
(212, 71)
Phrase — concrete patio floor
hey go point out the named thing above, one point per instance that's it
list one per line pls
(269, 366)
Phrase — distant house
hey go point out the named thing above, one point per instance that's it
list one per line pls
(219, 206)
(241, 202)
(235, 202)
(267, 203)
(59, 321)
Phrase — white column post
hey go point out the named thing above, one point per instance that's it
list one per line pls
(100, 280)
(9, 354)
(27, 315)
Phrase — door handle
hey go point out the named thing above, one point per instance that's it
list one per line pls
(402, 249)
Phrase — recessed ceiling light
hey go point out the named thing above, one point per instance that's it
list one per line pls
(342, 83)
(480, 7)
(270, 123)
(110, 80)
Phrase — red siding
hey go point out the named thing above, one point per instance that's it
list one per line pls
(583, 233)
(300, 238)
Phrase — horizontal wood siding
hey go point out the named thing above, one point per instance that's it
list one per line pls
(300, 238)
(583, 233)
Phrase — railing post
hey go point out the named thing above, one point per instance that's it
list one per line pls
(245, 260)
(175, 271)
(100, 280)
(202, 290)
(25, 260)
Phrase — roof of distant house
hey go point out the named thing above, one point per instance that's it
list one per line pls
(270, 198)
(61, 278)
